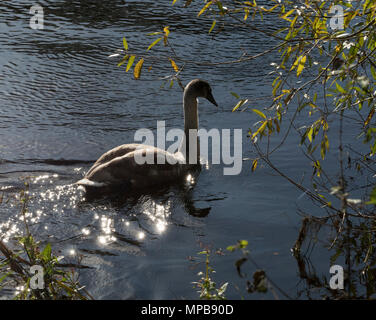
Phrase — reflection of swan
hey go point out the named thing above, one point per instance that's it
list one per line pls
(119, 165)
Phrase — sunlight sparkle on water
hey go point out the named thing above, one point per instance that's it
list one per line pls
(106, 239)
(106, 225)
(158, 214)
(141, 235)
(161, 226)
(190, 179)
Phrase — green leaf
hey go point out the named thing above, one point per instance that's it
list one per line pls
(260, 130)
(276, 87)
(235, 95)
(246, 10)
(372, 197)
(154, 33)
(301, 65)
(243, 243)
(212, 26)
(5, 276)
(46, 253)
(259, 113)
(124, 60)
(340, 89)
(295, 63)
(373, 71)
(125, 44)
(154, 43)
(130, 63)
(206, 6)
(293, 21)
(239, 104)
(287, 14)
(310, 134)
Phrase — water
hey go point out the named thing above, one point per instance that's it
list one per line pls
(64, 102)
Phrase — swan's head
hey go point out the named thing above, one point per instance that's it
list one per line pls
(200, 88)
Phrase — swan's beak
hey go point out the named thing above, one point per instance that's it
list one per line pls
(211, 99)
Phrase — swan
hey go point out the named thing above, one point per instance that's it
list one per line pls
(118, 166)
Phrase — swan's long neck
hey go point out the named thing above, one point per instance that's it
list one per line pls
(190, 124)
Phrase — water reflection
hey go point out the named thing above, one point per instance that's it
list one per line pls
(105, 220)
(349, 250)
(144, 214)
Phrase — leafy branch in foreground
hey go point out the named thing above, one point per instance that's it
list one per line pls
(15, 267)
(207, 288)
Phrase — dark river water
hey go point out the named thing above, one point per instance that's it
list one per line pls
(64, 102)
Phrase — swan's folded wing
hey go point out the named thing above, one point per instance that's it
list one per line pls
(114, 153)
(159, 166)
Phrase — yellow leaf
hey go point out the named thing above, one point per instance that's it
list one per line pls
(137, 69)
(125, 44)
(325, 125)
(254, 165)
(166, 31)
(301, 65)
(130, 62)
(310, 134)
(212, 26)
(176, 68)
(173, 2)
(287, 14)
(259, 113)
(369, 117)
(279, 97)
(123, 61)
(246, 13)
(277, 125)
(261, 129)
(239, 104)
(276, 87)
(154, 43)
(272, 8)
(293, 21)
(295, 63)
(204, 8)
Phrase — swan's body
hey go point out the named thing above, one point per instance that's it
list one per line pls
(119, 165)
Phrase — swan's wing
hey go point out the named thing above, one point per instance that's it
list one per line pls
(126, 168)
(114, 153)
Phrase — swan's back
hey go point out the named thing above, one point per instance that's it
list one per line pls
(120, 166)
